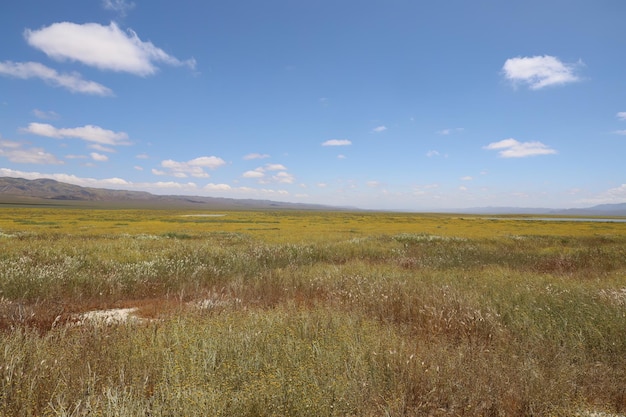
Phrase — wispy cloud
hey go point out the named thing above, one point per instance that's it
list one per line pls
(621, 115)
(610, 196)
(511, 148)
(47, 115)
(70, 81)
(89, 133)
(466, 178)
(251, 156)
(620, 132)
(539, 71)
(379, 129)
(120, 6)
(17, 153)
(195, 167)
(337, 142)
(449, 131)
(103, 47)
(432, 153)
(101, 148)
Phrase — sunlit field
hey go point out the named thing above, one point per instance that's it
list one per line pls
(293, 313)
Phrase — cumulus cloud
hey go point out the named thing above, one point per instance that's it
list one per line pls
(114, 182)
(260, 173)
(253, 174)
(284, 178)
(98, 157)
(195, 167)
(70, 81)
(275, 167)
(539, 71)
(255, 156)
(103, 47)
(17, 153)
(89, 133)
(337, 142)
(217, 187)
(511, 148)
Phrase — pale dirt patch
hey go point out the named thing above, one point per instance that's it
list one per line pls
(108, 317)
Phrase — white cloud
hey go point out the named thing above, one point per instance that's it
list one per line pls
(275, 167)
(48, 115)
(15, 152)
(466, 178)
(88, 133)
(611, 196)
(115, 182)
(72, 81)
(103, 47)
(373, 184)
(462, 188)
(539, 71)
(337, 142)
(195, 167)
(620, 132)
(253, 174)
(430, 154)
(621, 115)
(142, 156)
(98, 157)
(511, 148)
(101, 148)
(72, 156)
(446, 132)
(379, 129)
(217, 187)
(341, 156)
(138, 168)
(120, 6)
(255, 156)
(284, 178)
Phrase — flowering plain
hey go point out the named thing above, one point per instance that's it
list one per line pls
(274, 313)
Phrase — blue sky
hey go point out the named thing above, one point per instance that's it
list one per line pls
(395, 104)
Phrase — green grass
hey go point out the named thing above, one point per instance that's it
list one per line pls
(388, 319)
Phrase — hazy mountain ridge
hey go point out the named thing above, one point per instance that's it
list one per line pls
(618, 209)
(46, 191)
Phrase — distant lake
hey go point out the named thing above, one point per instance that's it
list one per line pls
(560, 219)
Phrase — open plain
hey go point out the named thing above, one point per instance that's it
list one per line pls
(309, 313)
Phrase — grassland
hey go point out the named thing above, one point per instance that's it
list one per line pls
(310, 314)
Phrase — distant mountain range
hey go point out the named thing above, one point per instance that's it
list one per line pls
(47, 192)
(608, 210)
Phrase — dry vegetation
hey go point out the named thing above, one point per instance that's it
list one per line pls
(310, 314)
